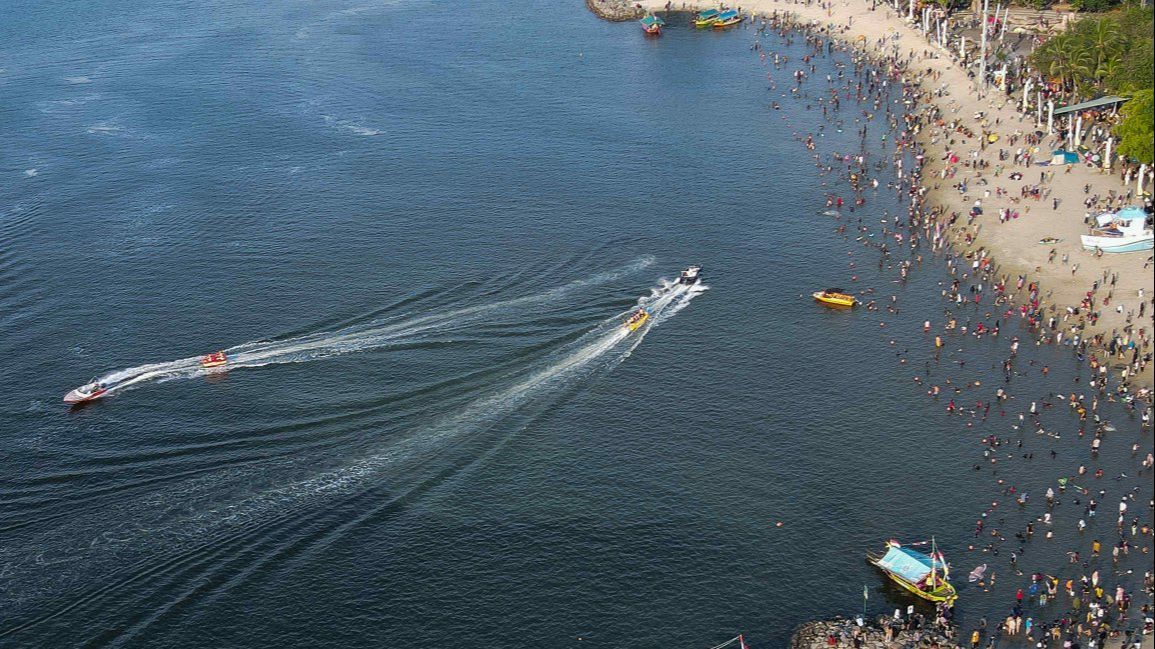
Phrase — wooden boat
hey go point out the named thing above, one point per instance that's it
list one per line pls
(706, 18)
(925, 575)
(727, 19)
(652, 25)
(835, 297)
(638, 319)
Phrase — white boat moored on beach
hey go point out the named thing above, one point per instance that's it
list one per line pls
(1125, 231)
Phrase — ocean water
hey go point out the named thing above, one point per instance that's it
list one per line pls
(416, 227)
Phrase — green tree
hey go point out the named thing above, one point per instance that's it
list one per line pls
(1137, 132)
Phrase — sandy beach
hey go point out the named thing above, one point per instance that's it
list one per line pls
(1065, 276)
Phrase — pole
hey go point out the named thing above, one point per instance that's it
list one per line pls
(1026, 93)
(983, 50)
(1050, 116)
(1003, 27)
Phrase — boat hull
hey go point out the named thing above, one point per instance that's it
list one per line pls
(945, 593)
(726, 24)
(1118, 244)
(633, 325)
(76, 396)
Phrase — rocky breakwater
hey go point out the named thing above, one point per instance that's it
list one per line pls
(615, 10)
(881, 633)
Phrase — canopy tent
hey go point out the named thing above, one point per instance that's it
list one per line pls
(1063, 157)
(909, 564)
(1112, 100)
(1127, 215)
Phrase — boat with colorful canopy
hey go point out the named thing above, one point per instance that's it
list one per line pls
(706, 18)
(652, 25)
(925, 575)
(728, 18)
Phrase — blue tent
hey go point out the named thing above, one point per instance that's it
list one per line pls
(1063, 157)
(910, 565)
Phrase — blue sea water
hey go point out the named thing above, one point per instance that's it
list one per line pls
(416, 226)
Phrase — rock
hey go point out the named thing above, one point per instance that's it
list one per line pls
(615, 10)
(813, 635)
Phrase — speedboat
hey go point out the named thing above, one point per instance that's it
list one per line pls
(691, 275)
(87, 392)
(835, 297)
(216, 359)
(637, 319)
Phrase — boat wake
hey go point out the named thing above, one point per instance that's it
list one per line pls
(358, 338)
(296, 502)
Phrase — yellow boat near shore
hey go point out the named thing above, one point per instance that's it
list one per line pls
(727, 19)
(835, 297)
(706, 18)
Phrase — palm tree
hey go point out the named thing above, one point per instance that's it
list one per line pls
(1105, 43)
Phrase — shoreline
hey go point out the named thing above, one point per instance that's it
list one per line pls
(1067, 292)
(1014, 273)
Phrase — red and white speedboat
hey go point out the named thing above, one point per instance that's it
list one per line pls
(87, 392)
(216, 359)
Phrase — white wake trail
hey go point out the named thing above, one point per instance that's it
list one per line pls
(357, 338)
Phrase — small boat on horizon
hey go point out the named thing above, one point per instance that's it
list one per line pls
(638, 319)
(835, 297)
(727, 19)
(706, 18)
(652, 25)
(925, 575)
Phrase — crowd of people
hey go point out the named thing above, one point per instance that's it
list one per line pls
(1098, 595)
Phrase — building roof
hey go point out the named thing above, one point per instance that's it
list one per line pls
(1094, 103)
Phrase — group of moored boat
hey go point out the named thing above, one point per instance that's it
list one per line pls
(710, 18)
(717, 19)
